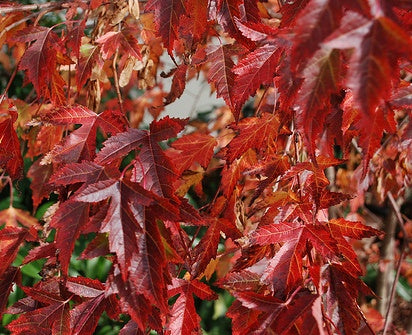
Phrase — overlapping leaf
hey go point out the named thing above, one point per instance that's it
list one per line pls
(258, 68)
(167, 18)
(10, 152)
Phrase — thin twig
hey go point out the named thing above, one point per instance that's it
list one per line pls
(6, 10)
(395, 281)
(398, 214)
(17, 23)
(8, 84)
(401, 222)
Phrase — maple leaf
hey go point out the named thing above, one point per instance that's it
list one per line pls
(227, 12)
(138, 307)
(195, 25)
(353, 229)
(340, 304)
(284, 271)
(167, 18)
(68, 220)
(152, 167)
(122, 217)
(74, 38)
(50, 319)
(148, 272)
(10, 152)
(377, 44)
(290, 10)
(255, 133)
(72, 173)
(257, 68)
(315, 233)
(243, 319)
(40, 58)
(7, 279)
(40, 187)
(178, 84)
(207, 247)
(251, 11)
(371, 130)
(184, 319)
(276, 316)
(220, 72)
(11, 238)
(321, 79)
(241, 281)
(231, 173)
(80, 144)
(85, 316)
(123, 40)
(256, 31)
(85, 65)
(45, 139)
(272, 169)
(314, 23)
(12, 217)
(193, 148)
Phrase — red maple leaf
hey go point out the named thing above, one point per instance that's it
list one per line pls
(257, 68)
(51, 316)
(184, 319)
(275, 315)
(40, 60)
(81, 143)
(167, 18)
(220, 72)
(193, 148)
(10, 152)
(123, 40)
(126, 201)
(85, 316)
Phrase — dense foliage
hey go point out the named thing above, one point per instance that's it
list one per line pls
(141, 220)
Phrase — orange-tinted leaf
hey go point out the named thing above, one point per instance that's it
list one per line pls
(241, 281)
(254, 132)
(7, 279)
(81, 143)
(194, 148)
(14, 216)
(352, 229)
(196, 24)
(10, 240)
(123, 40)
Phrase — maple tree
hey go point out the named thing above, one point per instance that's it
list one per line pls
(261, 200)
